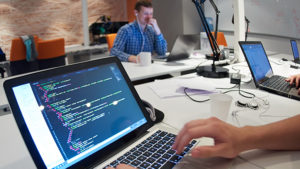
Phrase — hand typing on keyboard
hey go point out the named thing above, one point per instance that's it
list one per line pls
(294, 80)
(122, 166)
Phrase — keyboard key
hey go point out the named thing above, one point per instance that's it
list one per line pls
(147, 145)
(156, 165)
(147, 154)
(142, 158)
(121, 158)
(171, 152)
(150, 160)
(143, 149)
(131, 157)
(162, 134)
(156, 156)
(125, 161)
(161, 160)
(176, 158)
(166, 156)
(171, 135)
(161, 151)
(152, 150)
(137, 153)
(135, 163)
(168, 165)
(144, 165)
(114, 163)
(157, 146)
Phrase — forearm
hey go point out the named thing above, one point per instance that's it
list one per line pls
(160, 45)
(121, 55)
(282, 135)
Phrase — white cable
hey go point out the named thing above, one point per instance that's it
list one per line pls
(143, 39)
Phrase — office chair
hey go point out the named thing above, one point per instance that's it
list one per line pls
(18, 63)
(110, 38)
(2, 58)
(51, 53)
(221, 39)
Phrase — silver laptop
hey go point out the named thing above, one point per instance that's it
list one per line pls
(183, 47)
(262, 72)
(88, 115)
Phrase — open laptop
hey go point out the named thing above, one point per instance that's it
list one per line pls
(88, 115)
(262, 72)
(295, 51)
(183, 47)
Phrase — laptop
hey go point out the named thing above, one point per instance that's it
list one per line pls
(262, 72)
(183, 47)
(295, 51)
(88, 115)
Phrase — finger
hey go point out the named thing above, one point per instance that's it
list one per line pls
(188, 125)
(110, 168)
(196, 132)
(297, 81)
(124, 166)
(209, 151)
(291, 80)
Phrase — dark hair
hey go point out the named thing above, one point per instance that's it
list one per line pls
(144, 3)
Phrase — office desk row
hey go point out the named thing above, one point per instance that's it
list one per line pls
(179, 110)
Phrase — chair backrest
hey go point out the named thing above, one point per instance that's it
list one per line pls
(51, 53)
(49, 49)
(18, 49)
(220, 39)
(110, 38)
(18, 63)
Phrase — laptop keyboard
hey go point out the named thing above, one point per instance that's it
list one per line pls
(278, 83)
(153, 153)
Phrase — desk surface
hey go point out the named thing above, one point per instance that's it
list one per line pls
(178, 111)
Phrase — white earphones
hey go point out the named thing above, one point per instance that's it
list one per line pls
(143, 40)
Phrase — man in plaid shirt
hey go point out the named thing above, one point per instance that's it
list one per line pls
(142, 35)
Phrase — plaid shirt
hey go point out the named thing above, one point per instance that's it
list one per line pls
(129, 41)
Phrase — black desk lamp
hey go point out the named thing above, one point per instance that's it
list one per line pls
(212, 71)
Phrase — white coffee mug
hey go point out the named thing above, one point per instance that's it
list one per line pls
(144, 58)
(220, 105)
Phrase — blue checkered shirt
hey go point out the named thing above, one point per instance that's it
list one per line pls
(129, 41)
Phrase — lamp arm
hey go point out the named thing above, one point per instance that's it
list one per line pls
(217, 17)
(213, 43)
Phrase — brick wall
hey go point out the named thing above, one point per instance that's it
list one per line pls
(51, 19)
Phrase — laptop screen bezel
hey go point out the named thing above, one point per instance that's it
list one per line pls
(256, 81)
(95, 158)
(293, 40)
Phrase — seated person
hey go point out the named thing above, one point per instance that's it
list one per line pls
(142, 35)
(231, 140)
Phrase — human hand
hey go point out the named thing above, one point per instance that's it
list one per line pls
(294, 79)
(226, 137)
(133, 59)
(122, 166)
(155, 26)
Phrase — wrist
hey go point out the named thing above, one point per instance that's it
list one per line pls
(248, 139)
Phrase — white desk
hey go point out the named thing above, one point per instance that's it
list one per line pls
(178, 111)
(158, 68)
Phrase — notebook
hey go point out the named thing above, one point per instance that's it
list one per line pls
(262, 72)
(295, 51)
(88, 115)
(183, 47)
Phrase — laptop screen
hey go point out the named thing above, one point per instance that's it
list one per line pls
(73, 115)
(295, 49)
(257, 60)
